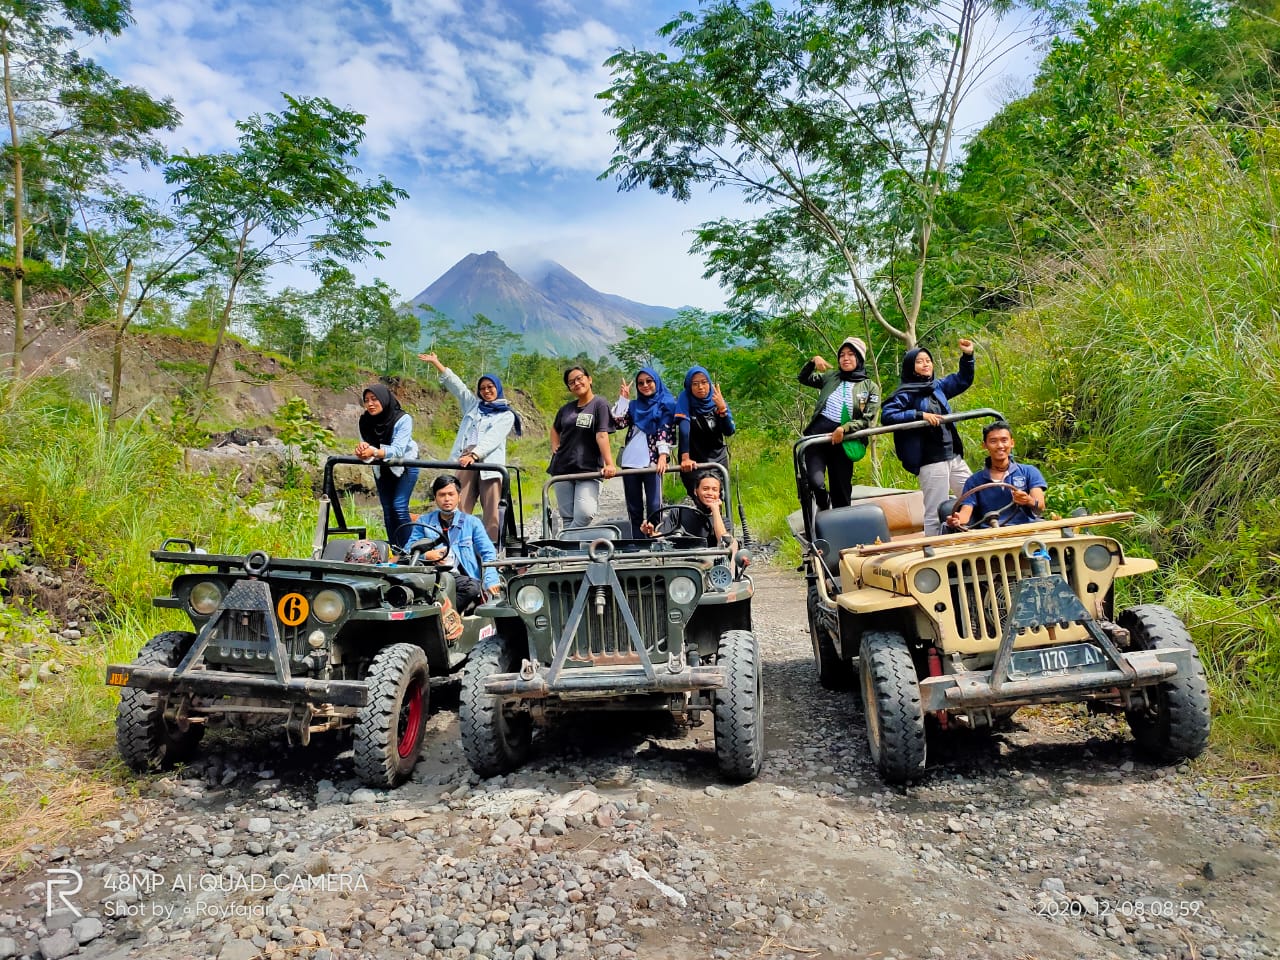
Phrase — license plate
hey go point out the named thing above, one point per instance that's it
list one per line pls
(1051, 661)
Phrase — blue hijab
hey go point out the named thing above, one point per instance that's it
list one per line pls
(687, 404)
(499, 404)
(651, 414)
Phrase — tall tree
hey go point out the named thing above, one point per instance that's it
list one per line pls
(289, 194)
(836, 116)
(69, 122)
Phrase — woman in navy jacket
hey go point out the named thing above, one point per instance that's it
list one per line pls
(934, 453)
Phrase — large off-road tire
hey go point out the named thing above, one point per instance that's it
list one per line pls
(1176, 724)
(834, 672)
(494, 739)
(143, 737)
(739, 707)
(387, 736)
(891, 701)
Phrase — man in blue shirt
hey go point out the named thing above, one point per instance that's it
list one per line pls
(469, 545)
(1024, 503)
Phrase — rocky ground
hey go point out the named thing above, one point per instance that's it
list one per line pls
(1048, 840)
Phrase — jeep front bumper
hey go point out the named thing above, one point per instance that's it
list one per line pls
(533, 682)
(220, 683)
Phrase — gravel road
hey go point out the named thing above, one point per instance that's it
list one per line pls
(1047, 840)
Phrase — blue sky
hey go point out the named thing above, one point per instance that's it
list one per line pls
(484, 110)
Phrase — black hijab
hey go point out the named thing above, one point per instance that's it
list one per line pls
(910, 379)
(378, 429)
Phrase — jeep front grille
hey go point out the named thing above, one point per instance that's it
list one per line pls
(981, 587)
(604, 635)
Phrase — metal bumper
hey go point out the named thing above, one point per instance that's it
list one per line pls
(603, 682)
(211, 683)
(967, 690)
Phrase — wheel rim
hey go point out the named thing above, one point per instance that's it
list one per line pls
(872, 709)
(409, 726)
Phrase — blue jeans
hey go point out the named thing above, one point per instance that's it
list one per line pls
(644, 495)
(394, 493)
(577, 501)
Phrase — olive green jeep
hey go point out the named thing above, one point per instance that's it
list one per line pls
(964, 628)
(310, 645)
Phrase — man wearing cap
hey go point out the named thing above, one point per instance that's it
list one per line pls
(848, 401)
(469, 545)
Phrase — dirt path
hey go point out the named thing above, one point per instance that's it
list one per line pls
(1046, 841)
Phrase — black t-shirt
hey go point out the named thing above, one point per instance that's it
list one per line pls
(693, 520)
(706, 439)
(578, 426)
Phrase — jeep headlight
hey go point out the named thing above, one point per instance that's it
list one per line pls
(1097, 557)
(328, 606)
(530, 598)
(205, 597)
(927, 580)
(682, 590)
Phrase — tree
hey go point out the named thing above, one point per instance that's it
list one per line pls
(69, 122)
(838, 116)
(288, 194)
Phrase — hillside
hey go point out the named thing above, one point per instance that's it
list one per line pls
(554, 311)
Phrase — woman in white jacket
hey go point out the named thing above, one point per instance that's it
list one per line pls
(487, 420)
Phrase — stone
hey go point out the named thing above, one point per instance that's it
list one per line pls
(8, 948)
(238, 950)
(61, 943)
(259, 825)
(87, 929)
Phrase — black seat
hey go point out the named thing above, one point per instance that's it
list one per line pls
(844, 527)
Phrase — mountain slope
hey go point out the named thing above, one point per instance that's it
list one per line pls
(554, 311)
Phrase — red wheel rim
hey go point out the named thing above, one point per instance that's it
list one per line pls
(411, 717)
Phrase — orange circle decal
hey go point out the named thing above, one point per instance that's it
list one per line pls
(292, 609)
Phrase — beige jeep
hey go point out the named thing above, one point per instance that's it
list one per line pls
(967, 627)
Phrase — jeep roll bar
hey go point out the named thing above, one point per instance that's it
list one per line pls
(630, 471)
(331, 502)
(804, 443)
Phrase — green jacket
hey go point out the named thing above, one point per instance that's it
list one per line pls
(866, 396)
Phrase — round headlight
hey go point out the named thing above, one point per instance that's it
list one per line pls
(1097, 557)
(205, 597)
(328, 606)
(927, 580)
(682, 590)
(529, 598)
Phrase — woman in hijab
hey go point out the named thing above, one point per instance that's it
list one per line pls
(487, 420)
(934, 453)
(650, 423)
(386, 432)
(704, 421)
(847, 402)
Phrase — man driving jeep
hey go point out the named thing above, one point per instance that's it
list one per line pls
(1024, 503)
(468, 543)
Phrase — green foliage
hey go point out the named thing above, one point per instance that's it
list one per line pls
(304, 439)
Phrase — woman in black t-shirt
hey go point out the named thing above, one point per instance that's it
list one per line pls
(580, 444)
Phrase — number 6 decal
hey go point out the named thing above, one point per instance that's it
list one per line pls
(292, 609)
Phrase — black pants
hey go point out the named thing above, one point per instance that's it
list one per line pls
(467, 591)
(831, 460)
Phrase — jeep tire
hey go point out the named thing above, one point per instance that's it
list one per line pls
(834, 672)
(891, 701)
(1175, 726)
(147, 741)
(494, 740)
(739, 707)
(389, 728)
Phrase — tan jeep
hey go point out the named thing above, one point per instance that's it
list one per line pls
(967, 627)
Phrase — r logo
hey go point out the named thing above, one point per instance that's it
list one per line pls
(58, 878)
(292, 609)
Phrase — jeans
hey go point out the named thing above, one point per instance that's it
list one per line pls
(935, 480)
(577, 501)
(644, 495)
(394, 493)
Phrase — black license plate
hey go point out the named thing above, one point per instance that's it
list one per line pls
(1055, 661)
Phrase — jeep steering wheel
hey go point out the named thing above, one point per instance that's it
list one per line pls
(671, 508)
(990, 515)
(415, 551)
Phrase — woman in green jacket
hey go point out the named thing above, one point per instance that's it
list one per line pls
(848, 401)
